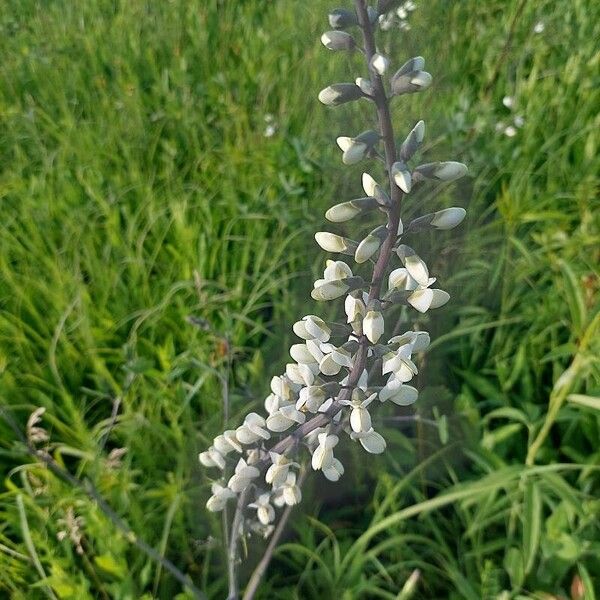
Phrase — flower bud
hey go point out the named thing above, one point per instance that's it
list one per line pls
(340, 18)
(442, 171)
(340, 93)
(373, 325)
(402, 176)
(410, 78)
(348, 210)
(413, 141)
(365, 85)
(338, 40)
(448, 218)
(355, 149)
(330, 242)
(379, 63)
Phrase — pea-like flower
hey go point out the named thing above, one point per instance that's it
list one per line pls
(243, 476)
(373, 325)
(284, 418)
(333, 284)
(371, 441)
(220, 495)
(252, 430)
(312, 327)
(288, 493)
(264, 510)
(360, 419)
(277, 473)
(212, 458)
(356, 149)
(322, 457)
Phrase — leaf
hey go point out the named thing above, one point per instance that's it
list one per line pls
(108, 563)
(532, 523)
(587, 401)
(513, 563)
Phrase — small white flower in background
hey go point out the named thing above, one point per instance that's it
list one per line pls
(510, 131)
(264, 510)
(220, 495)
(508, 101)
(322, 457)
(519, 121)
(371, 441)
(539, 27)
(270, 126)
(244, 474)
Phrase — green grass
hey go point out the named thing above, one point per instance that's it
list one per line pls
(137, 189)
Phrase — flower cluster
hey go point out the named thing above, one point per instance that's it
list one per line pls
(339, 371)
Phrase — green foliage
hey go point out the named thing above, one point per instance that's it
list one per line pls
(137, 189)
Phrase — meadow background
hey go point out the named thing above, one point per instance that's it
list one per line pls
(138, 188)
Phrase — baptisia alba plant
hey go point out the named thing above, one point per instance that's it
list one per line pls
(327, 394)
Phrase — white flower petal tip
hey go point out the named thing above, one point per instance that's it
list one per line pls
(379, 63)
(373, 326)
(448, 218)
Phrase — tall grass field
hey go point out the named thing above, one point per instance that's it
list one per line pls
(164, 166)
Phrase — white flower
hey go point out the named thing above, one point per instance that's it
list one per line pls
(332, 285)
(419, 340)
(355, 149)
(300, 374)
(398, 393)
(519, 121)
(448, 218)
(400, 279)
(301, 354)
(508, 101)
(365, 85)
(337, 40)
(334, 471)
(510, 131)
(277, 473)
(373, 325)
(355, 308)
(227, 442)
(367, 248)
(539, 27)
(280, 386)
(312, 328)
(212, 458)
(252, 430)
(424, 299)
(289, 493)
(379, 63)
(311, 397)
(244, 474)
(264, 511)
(371, 441)
(402, 176)
(322, 457)
(360, 419)
(219, 497)
(284, 418)
(330, 242)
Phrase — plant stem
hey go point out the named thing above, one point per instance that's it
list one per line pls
(386, 131)
(380, 268)
(261, 567)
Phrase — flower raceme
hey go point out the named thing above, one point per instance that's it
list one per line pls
(339, 372)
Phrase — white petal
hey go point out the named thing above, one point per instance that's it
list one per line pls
(328, 366)
(421, 300)
(369, 184)
(355, 153)
(373, 326)
(360, 419)
(344, 143)
(440, 297)
(367, 248)
(278, 423)
(405, 395)
(417, 269)
(301, 354)
(330, 242)
(373, 442)
(448, 218)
